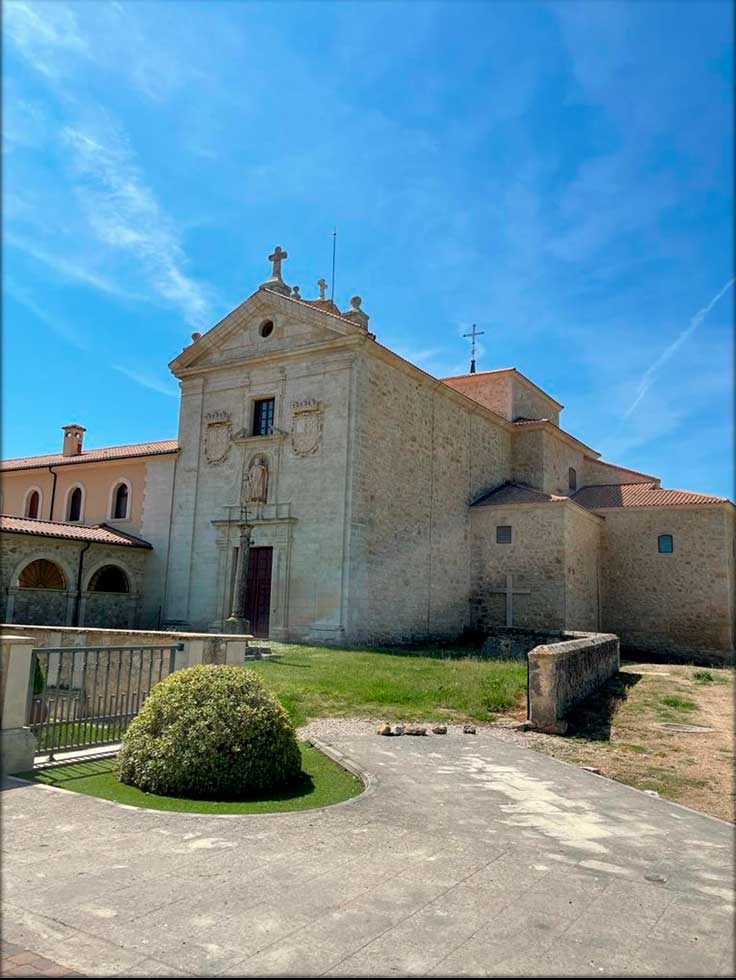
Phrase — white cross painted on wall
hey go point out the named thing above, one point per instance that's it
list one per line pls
(510, 592)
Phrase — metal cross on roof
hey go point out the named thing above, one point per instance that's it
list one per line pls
(473, 333)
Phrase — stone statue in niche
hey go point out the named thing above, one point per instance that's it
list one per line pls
(256, 482)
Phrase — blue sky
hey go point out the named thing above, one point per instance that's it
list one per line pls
(559, 173)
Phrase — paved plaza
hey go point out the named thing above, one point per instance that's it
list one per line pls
(467, 856)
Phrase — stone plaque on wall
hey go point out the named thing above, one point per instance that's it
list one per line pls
(217, 437)
(306, 427)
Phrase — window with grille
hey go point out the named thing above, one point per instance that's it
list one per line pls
(665, 544)
(503, 534)
(263, 414)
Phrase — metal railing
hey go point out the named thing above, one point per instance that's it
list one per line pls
(81, 697)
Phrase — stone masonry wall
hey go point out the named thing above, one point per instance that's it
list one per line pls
(582, 568)
(494, 391)
(535, 558)
(527, 454)
(49, 606)
(563, 674)
(679, 604)
(559, 456)
(528, 403)
(304, 519)
(420, 457)
(597, 473)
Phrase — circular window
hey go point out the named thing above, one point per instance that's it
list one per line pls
(267, 328)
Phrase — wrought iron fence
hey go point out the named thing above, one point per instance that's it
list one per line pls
(82, 697)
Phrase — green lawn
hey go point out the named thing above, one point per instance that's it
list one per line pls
(73, 733)
(451, 684)
(324, 783)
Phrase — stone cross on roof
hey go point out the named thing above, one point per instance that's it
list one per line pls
(277, 257)
(276, 284)
(322, 283)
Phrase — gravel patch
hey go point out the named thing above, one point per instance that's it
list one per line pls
(330, 729)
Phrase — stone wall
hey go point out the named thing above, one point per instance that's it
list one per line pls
(492, 390)
(563, 674)
(559, 456)
(535, 558)
(582, 568)
(678, 605)
(57, 607)
(421, 455)
(527, 454)
(304, 518)
(554, 555)
(531, 403)
(508, 394)
(597, 473)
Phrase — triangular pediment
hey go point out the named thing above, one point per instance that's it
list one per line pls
(297, 325)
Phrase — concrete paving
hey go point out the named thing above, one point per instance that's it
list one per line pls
(468, 856)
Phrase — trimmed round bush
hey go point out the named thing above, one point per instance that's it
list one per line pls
(210, 732)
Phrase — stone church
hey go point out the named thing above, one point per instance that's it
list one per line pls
(331, 491)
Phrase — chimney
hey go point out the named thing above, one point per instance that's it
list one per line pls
(73, 437)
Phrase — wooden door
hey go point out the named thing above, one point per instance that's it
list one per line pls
(258, 593)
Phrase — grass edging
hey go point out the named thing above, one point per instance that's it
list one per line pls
(328, 752)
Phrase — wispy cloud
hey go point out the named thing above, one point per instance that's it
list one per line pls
(146, 380)
(647, 379)
(124, 221)
(57, 324)
(68, 268)
(46, 34)
(124, 214)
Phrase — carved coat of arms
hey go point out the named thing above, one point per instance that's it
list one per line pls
(217, 437)
(306, 427)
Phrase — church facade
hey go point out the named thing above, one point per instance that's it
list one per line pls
(376, 503)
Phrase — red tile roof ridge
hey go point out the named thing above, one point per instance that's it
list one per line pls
(157, 447)
(98, 533)
(605, 495)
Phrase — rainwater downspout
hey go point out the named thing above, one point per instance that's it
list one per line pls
(53, 493)
(78, 597)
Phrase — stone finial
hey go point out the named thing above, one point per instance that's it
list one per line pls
(322, 286)
(275, 282)
(295, 294)
(356, 314)
(196, 336)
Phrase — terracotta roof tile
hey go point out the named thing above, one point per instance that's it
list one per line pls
(515, 493)
(640, 495)
(158, 448)
(97, 533)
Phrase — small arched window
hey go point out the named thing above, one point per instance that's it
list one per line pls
(109, 578)
(665, 544)
(42, 574)
(33, 504)
(75, 505)
(572, 479)
(120, 502)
